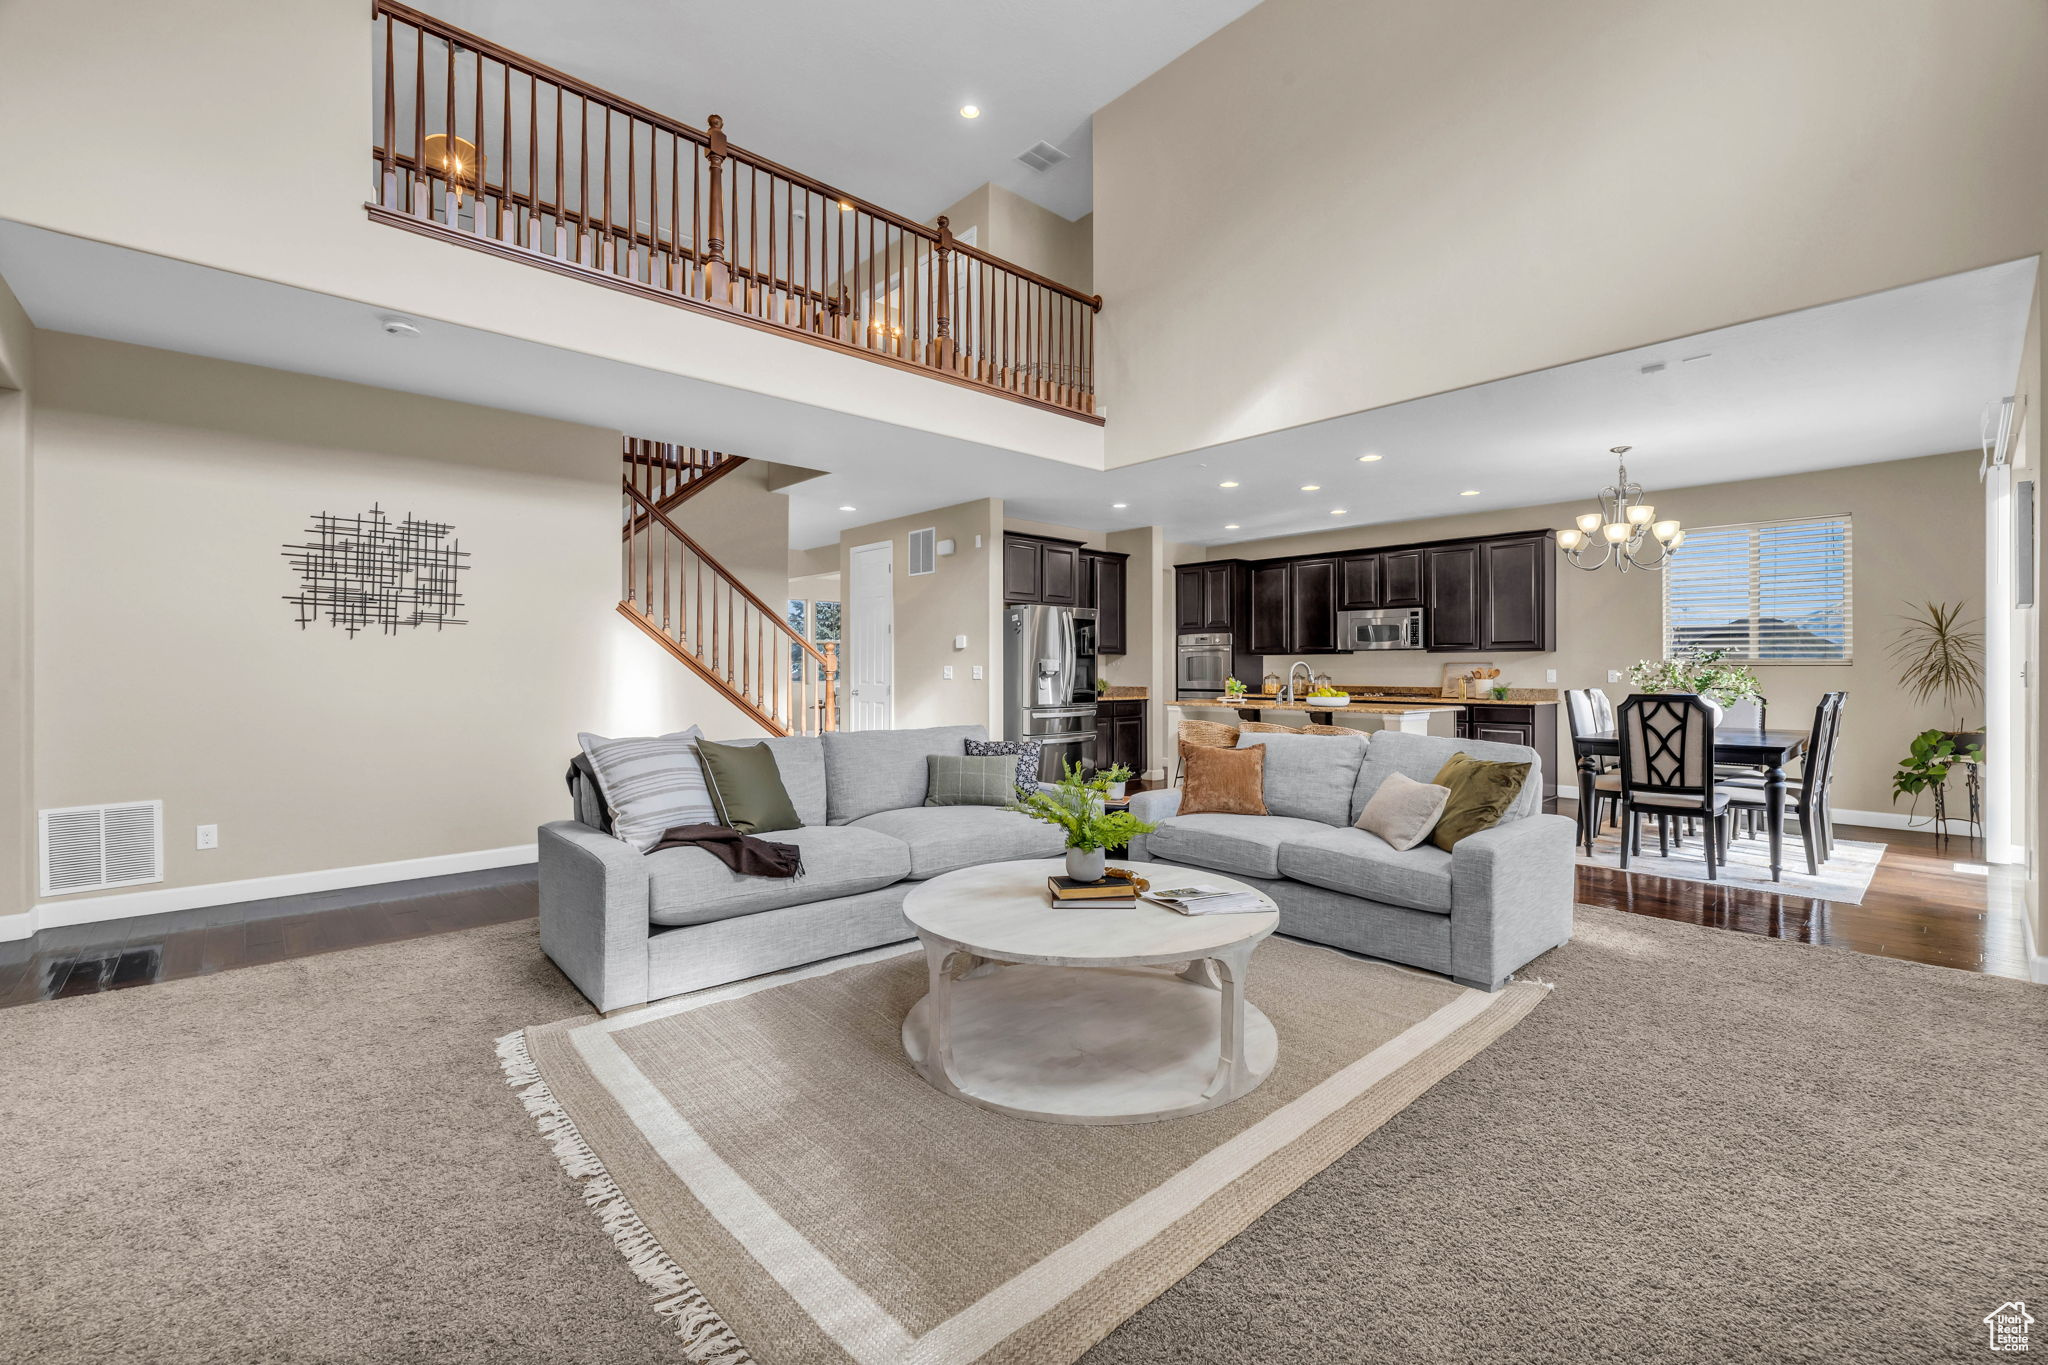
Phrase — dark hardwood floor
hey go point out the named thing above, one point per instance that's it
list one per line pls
(1925, 904)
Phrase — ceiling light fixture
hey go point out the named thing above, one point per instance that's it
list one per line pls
(1311, 487)
(1339, 512)
(1228, 483)
(1469, 493)
(1119, 506)
(970, 111)
(1625, 525)
(846, 507)
(1230, 526)
(1369, 459)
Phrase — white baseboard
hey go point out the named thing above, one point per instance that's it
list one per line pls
(1895, 819)
(159, 900)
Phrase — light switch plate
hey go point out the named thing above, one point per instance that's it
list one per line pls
(977, 673)
(1614, 675)
(949, 672)
(1550, 675)
(959, 642)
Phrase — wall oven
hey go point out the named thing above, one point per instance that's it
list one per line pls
(1202, 662)
(1395, 628)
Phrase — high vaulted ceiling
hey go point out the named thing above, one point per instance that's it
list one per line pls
(867, 96)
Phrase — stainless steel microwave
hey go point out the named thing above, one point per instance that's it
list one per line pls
(1398, 628)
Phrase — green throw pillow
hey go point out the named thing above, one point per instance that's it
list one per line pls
(971, 780)
(746, 787)
(1480, 794)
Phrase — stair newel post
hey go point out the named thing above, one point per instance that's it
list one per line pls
(830, 651)
(717, 282)
(942, 295)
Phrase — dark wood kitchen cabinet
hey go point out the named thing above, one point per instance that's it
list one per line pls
(1104, 574)
(1401, 578)
(1518, 599)
(1312, 606)
(1270, 609)
(1452, 590)
(1040, 569)
(1120, 734)
(1358, 583)
(1209, 597)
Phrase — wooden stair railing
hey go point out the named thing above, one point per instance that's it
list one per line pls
(478, 145)
(693, 606)
(669, 474)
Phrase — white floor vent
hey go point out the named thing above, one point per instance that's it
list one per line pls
(93, 848)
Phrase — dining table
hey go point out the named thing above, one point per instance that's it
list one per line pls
(1744, 746)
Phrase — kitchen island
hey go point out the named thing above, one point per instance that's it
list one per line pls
(1527, 715)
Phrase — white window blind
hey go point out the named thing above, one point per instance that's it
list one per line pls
(1770, 592)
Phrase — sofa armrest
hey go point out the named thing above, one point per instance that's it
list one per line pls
(1512, 889)
(593, 912)
(1155, 805)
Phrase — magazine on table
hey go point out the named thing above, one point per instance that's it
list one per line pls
(1207, 900)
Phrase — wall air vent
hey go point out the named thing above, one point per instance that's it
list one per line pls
(95, 848)
(1041, 156)
(924, 551)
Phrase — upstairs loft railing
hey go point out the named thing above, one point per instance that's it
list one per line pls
(477, 144)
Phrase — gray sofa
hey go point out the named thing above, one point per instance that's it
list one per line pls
(629, 927)
(1497, 899)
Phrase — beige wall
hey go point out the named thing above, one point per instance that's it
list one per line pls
(167, 665)
(159, 105)
(17, 619)
(1918, 530)
(963, 596)
(1008, 225)
(1332, 205)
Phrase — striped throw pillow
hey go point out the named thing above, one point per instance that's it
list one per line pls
(970, 780)
(650, 784)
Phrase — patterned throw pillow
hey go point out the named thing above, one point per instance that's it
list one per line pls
(1029, 754)
(970, 780)
(650, 784)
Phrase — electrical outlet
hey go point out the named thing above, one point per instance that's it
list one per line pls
(209, 836)
(949, 672)
(977, 673)
(1614, 675)
(1550, 675)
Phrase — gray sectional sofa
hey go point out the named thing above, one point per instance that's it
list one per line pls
(629, 927)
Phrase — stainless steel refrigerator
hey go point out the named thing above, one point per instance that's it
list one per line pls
(1049, 683)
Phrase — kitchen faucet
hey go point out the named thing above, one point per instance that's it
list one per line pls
(1290, 694)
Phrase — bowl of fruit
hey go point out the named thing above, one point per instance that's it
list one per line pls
(1320, 697)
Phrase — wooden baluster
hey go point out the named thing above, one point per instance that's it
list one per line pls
(451, 194)
(419, 199)
(477, 127)
(387, 181)
(831, 671)
(632, 195)
(716, 281)
(675, 214)
(942, 307)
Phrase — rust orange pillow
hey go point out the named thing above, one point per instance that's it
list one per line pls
(1224, 781)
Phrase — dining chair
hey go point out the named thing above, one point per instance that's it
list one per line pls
(1582, 713)
(1667, 770)
(1809, 796)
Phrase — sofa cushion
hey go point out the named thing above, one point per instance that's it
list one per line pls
(1422, 757)
(944, 838)
(1030, 753)
(1403, 811)
(1481, 793)
(1223, 781)
(746, 787)
(1309, 777)
(650, 783)
(801, 761)
(690, 886)
(1362, 864)
(875, 770)
(1244, 845)
(971, 779)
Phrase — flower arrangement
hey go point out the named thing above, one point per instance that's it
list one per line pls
(1074, 803)
(1697, 670)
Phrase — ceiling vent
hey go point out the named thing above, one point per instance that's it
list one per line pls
(924, 551)
(95, 848)
(1041, 156)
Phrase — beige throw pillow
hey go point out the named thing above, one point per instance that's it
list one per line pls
(1403, 811)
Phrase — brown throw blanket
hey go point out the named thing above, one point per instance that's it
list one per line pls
(743, 853)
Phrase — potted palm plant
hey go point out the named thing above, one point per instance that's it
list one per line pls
(1940, 653)
(1074, 803)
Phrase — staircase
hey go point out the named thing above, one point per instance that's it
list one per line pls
(691, 605)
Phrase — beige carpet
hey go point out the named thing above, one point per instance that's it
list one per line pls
(1704, 1146)
(833, 1207)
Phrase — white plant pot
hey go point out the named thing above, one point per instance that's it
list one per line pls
(1086, 864)
(1116, 791)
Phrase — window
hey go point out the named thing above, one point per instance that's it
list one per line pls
(816, 622)
(1770, 592)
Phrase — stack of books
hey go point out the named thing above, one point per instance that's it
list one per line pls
(1207, 900)
(1109, 893)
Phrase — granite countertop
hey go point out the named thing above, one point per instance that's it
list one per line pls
(1378, 708)
(1382, 700)
(1125, 694)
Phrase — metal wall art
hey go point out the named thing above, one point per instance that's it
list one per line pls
(367, 573)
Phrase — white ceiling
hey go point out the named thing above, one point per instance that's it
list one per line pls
(867, 96)
(1894, 375)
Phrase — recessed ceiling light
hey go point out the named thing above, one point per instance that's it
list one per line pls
(1228, 483)
(970, 111)
(1368, 459)
(1311, 487)
(845, 508)
(1230, 526)
(1119, 506)
(1469, 493)
(1338, 512)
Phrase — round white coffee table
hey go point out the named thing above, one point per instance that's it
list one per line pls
(1085, 1014)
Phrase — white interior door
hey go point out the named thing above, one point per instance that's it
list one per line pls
(870, 628)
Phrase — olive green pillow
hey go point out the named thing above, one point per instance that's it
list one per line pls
(746, 788)
(1480, 794)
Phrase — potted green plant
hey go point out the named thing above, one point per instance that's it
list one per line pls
(1116, 774)
(1925, 768)
(1074, 803)
(1701, 672)
(1941, 655)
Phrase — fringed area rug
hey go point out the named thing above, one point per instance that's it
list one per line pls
(792, 1192)
(1843, 877)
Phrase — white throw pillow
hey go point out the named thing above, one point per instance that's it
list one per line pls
(1403, 811)
(650, 784)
